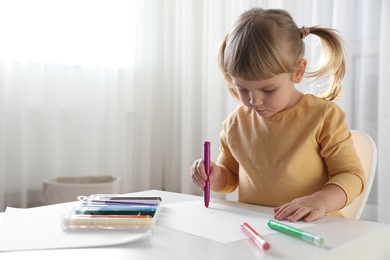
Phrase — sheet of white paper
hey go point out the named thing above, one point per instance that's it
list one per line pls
(39, 228)
(219, 222)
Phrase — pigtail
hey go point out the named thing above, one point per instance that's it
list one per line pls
(334, 61)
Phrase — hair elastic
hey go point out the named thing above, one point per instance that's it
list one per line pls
(304, 31)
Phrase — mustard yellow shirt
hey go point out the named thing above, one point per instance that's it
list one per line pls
(291, 154)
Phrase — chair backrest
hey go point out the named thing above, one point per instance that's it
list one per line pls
(367, 151)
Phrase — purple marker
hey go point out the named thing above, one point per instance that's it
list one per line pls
(207, 169)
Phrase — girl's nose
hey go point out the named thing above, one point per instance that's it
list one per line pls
(256, 99)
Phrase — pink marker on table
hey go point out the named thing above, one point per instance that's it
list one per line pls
(207, 169)
(255, 237)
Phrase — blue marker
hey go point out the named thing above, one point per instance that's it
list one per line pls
(116, 210)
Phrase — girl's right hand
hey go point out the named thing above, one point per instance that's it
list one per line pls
(198, 173)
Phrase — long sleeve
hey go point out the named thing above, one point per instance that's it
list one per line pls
(291, 154)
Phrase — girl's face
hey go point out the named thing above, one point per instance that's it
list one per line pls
(270, 96)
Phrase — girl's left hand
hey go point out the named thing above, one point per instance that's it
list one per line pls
(307, 208)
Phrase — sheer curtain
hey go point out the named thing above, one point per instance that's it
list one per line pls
(383, 127)
(144, 91)
(66, 94)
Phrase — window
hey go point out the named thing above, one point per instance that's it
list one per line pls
(78, 32)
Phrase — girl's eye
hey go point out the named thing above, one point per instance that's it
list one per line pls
(242, 90)
(268, 91)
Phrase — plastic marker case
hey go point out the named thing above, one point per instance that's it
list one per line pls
(112, 211)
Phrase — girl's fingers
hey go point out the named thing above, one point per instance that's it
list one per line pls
(200, 169)
(197, 170)
(198, 181)
(285, 211)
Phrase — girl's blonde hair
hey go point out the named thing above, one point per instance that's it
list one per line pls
(265, 43)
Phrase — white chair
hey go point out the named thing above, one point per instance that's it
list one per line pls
(367, 152)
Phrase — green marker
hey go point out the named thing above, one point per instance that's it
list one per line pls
(289, 230)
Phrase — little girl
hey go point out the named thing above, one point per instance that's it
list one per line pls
(282, 148)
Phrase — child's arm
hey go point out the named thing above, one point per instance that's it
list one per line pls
(217, 175)
(313, 207)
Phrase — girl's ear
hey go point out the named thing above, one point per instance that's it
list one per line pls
(299, 71)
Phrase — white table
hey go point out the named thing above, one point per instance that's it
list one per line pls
(346, 238)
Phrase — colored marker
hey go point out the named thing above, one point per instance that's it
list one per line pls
(255, 237)
(120, 207)
(207, 169)
(154, 200)
(117, 203)
(117, 200)
(71, 221)
(114, 210)
(289, 230)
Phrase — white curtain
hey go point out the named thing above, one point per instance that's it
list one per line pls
(383, 121)
(144, 91)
